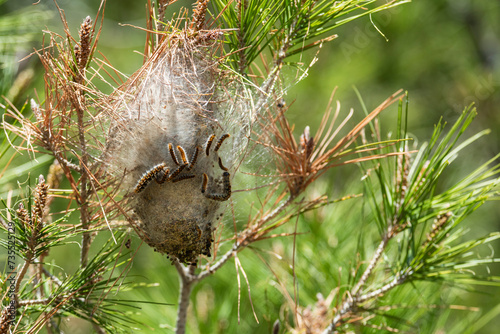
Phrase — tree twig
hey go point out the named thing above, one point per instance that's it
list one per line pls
(354, 296)
(244, 241)
(376, 257)
(353, 302)
(186, 278)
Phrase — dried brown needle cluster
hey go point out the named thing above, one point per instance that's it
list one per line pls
(66, 125)
(302, 163)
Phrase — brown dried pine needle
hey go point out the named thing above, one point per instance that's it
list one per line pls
(301, 164)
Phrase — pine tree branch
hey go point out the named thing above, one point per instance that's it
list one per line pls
(187, 280)
(352, 303)
(368, 271)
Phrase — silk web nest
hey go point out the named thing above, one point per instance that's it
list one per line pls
(178, 127)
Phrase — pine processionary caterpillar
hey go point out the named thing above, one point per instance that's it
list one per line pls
(220, 141)
(208, 144)
(176, 172)
(161, 174)
(183, 177)
(221, 165)
(204, 183)
(194, 157)
(164, 176)
(148, 177)
(183, 154)
(172, 153)
(224, 196)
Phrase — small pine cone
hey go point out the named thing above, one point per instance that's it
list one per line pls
(23, 216)
(437, 226)
(83, 50)
(41, 191)
(5, 321)
(199, 12)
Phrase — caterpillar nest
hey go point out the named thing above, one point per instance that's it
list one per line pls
(176, 132)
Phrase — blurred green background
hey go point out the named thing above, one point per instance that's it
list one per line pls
(446, 53)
